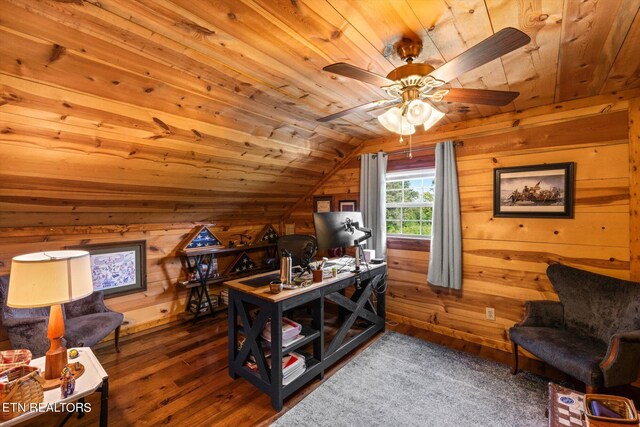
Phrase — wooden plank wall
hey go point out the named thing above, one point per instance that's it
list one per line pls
(164, 300)
(505, 258)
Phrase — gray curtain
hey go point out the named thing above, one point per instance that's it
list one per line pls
(373, 168)
(445, 260)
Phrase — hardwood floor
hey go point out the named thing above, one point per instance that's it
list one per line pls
(176, 375)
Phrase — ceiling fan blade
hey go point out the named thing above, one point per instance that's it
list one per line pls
(501, 43)
(480, 96)
(348, 70)
(363, 107)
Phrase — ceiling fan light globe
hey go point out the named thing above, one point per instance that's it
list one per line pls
(407, 129)
(418, 112)
(436, 115)
(391, 119)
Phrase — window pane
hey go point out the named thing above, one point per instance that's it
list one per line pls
(411, 214)
(411, 195)
(393, 213)
(411, 227)
(426, 228)
(394, 185)
(427, 214)
(427, 196)
(429, 190)
(393, 227)
(394, 196)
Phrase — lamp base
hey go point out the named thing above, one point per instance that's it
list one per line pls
(56, 356)
(55, 360)
(55, 382)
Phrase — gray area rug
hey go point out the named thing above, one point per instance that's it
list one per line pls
(403, 381)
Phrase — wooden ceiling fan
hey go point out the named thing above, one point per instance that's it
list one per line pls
(417, 81)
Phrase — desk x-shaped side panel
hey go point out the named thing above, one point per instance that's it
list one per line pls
(357, 306)
(252, 333)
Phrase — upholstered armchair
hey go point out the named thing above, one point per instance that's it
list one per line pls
(87, 322)
(592, 333)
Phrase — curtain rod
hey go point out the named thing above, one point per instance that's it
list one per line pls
(429, 148)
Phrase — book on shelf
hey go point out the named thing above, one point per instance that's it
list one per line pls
(290, 331)
(224, 296)
(293, 365)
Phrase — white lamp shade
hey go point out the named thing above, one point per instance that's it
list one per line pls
(393, 121)
(418, 112)
(46, 278)
(433, 119)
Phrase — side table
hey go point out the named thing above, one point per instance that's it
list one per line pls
(565, 407)
(94, 379)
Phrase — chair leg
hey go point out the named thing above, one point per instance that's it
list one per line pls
(117, 340)
(514, 350)
(591, 389)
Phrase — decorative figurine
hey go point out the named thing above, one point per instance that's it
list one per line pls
(192, 274)
(67, 383)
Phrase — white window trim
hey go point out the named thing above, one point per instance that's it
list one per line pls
(403, 176)
(418, 173)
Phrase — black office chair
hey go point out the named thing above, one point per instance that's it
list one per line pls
(301, 246)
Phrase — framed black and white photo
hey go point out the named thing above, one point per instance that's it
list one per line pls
(118, 268)
(322, 203)
(347, 205)
(539, 191)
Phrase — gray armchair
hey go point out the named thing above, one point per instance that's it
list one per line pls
(87, 322)
(592, 333)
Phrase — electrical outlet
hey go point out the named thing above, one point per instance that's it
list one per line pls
(490, 313)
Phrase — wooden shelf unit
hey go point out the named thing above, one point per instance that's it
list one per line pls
(202, 260)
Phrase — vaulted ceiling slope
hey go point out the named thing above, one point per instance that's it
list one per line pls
(123, 111)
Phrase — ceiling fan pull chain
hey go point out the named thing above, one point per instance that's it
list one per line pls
(410, 142)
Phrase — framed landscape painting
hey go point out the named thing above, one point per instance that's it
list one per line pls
(539, 191)
(118, 268)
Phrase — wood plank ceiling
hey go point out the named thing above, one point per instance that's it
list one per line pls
(123, 111)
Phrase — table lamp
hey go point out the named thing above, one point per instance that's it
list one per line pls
(50, 279)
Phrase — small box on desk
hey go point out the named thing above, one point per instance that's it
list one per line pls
(603, 410)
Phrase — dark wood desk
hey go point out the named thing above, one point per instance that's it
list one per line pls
(244, 298)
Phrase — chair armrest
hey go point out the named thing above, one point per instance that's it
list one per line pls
(17, 322)
(28, 332)
(543, 314)
(621, 365)
(91, 304)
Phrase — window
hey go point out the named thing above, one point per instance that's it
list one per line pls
(410, 203)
